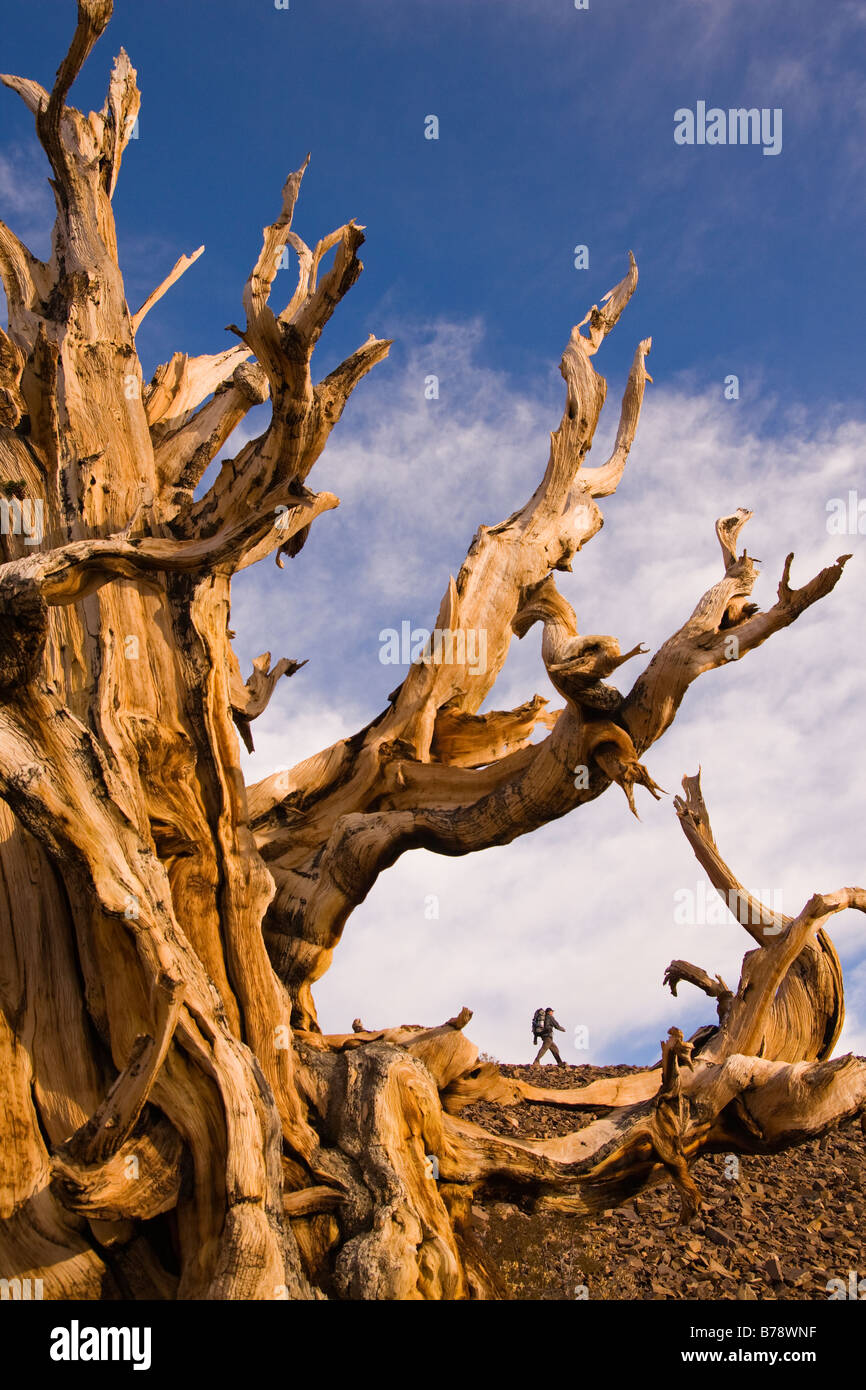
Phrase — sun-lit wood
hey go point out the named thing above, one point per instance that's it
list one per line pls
(162, 926)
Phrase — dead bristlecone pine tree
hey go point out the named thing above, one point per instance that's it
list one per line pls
(174, 1123)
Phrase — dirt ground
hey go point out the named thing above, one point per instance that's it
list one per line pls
(771, 1228)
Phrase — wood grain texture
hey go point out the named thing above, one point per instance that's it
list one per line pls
(174, 1123)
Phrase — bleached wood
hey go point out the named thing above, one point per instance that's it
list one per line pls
(162, 926)
(179, 268)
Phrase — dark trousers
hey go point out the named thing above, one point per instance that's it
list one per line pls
(548, 1045)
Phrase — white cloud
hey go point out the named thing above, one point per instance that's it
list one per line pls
(581, 913)
(25, 195)
(26, 201)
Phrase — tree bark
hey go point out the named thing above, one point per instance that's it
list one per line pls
(174, 1123)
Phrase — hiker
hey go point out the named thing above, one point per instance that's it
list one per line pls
(543, 1024)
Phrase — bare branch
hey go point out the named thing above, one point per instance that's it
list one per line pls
(183, 383)
(749, 911)
(261, 329)
(118, 116)
(93, 16)
(334, 390)
(302, 416)
(456, 810)
(251, 699)
(17, 267)
(603, 481)
(68, 574)
(472, 740)
(177, 270)
(722, 628)
(33, 94)
(182, 451)
(803, 1016)
(680, 970)
(751, 1026)
(728, 529)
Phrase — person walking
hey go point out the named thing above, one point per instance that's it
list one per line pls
(545, 1032)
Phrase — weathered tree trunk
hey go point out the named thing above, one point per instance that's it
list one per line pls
(174, 1123)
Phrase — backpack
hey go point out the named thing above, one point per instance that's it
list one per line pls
(537, 1024)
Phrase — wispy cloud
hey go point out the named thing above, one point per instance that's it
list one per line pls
(25, 196)
(26, 201)
(581, 913)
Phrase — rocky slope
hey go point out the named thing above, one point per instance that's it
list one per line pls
(771, 1228)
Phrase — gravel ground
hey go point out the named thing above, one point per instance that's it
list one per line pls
(779, 1228)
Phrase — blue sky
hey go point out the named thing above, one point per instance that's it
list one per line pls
(555, 129)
